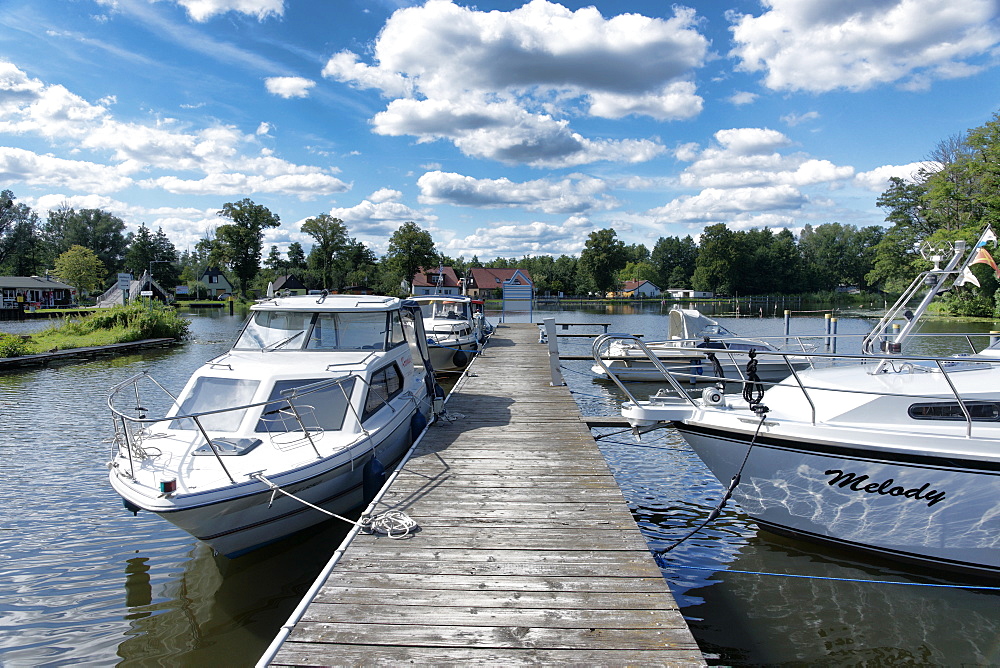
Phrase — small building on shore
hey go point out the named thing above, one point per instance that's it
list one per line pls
(635, 290)
(34, 291)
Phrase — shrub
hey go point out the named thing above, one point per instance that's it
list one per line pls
(14, 346)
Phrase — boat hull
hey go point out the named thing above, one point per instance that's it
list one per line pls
(453, 356)
(248, 516)
(940, 512)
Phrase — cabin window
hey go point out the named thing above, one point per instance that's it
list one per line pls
(979, 411)
(323, 406)
(216, 394)
(349, 331)
(385, 384)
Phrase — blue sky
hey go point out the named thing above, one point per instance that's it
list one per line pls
(502, 128)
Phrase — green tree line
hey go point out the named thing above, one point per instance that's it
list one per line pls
(952, 197)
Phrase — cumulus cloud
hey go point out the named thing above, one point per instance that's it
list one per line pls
(747, 177)
(819, 46)
(570, 195)
(483, 79)
(374, 220)
(19, 165)
(877, 180)
(202, 10)
(219, 152)
(288, 87)
(516, 240)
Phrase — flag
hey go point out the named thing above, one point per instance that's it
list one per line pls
(983, 257)
(967, 277)
(988, 235)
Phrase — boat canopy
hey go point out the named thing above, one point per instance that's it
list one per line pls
(687, 323)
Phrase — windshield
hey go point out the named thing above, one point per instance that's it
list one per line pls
(271, 330)
(216, 394)
(297, 330)
(445, 309)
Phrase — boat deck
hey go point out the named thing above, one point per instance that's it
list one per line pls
(526, 552)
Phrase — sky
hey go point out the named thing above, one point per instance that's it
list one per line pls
(504, 129)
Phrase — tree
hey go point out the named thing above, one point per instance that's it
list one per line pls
(296, 256)
(603, 256)
(330, 236)
(95, 229)
(21, 251)
(81, 268)
(716, 268)
(674, 260)
(410, 248)
(240, 242)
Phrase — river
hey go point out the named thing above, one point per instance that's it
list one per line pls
(82, 581)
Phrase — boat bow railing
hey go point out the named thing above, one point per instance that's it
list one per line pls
(944, 368)
(131, 424)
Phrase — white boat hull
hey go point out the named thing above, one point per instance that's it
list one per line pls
(452, 356)
(943, 512)
(244, 517)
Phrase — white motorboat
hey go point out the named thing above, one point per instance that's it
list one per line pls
(698, 347)
(455, 330)
(318, 397)
(894, 454)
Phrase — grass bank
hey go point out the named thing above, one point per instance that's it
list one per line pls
(119, 324)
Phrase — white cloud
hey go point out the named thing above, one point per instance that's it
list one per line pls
(794, 119)
(288, 87)
(202, 10)
(505, 132)
(68, 122)
(482, 79)
(519, 239)
(374, 220)
(746, 178)
(742, 97)
(19, 165)
(570, 195)
(877, 180)
(818, 45)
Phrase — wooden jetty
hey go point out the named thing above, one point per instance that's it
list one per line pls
(526, 552)
(77, 354)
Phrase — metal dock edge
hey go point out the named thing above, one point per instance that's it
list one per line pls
(526, 553)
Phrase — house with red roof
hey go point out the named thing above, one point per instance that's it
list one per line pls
(486, 283)
(436, 281)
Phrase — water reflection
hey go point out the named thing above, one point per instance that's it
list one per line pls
(83, 581)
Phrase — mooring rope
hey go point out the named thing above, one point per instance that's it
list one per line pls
(392, 523)
(762, 411)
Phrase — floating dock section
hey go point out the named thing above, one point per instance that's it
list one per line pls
(526, 551)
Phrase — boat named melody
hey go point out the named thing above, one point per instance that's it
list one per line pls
(886, 451)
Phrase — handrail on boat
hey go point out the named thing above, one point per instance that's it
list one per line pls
(131, 438)
(879, 364)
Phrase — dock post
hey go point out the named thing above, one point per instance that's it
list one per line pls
(553, 341)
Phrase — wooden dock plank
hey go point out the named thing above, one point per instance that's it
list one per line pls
(526, 552)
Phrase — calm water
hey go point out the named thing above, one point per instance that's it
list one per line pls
(82, 581)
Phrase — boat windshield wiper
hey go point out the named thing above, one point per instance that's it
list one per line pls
(288, 339)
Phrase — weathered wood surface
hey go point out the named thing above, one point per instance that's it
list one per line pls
(526, 553)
